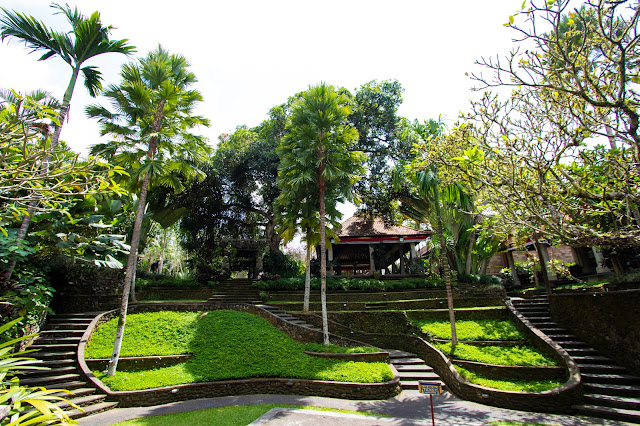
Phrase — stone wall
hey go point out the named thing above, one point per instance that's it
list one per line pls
(139, 363)
(86, 288)
(609, 322)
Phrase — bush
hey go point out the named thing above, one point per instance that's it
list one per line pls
(477, 279)
(281, 264)
(628, 279)
(349, 284)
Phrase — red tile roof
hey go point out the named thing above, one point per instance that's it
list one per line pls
(359, 227)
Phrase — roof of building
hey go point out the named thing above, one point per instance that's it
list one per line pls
(357, 226)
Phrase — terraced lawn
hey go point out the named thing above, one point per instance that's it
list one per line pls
(499, 355)
(225, 345)
(471, 329)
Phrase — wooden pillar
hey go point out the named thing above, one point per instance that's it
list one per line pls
(330, 260)
(372, 263)
(402, 262)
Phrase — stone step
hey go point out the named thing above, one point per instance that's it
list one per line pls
(539, 325)
(571, 343)
(413, 384)
(617, 379)
(92, 409)
(52, 371)
(537, 319)
(413, 367)
(599, 368)
(77, 393)
(49, 381)
(393, 353)
(581, 351)
(561, 336)
(585, 360)
(69, 320)
(608, 413)
(53, 355)
(82, 401)
(625, 403)
(68, 326)
(413, 375)
(406, 361)
(64, 347)
(547, 330)
(57, 363)
(72, 385)
(611, 389)
(55, 340)
(61, 333)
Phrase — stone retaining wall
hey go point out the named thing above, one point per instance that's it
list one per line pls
(513, 372)
(609, 322)
(357, 357)
(139, 362)
(496, 313)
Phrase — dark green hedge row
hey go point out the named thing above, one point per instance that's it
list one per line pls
(347, 284)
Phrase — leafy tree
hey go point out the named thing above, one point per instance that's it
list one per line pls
(318, 152)
(151, 120)
(88, 38)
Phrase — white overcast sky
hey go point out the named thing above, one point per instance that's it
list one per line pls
(251, 55)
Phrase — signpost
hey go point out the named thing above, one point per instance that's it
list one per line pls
(430, 388)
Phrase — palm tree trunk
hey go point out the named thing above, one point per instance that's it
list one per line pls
(163, 248)
(129, 277)
(323, 264)
(447, 282)
(307, 275)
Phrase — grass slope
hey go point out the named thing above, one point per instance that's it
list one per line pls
(225, 345)
(500, 355)
(509, 385)
(471, 330)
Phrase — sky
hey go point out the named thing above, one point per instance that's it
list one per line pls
(252, 55)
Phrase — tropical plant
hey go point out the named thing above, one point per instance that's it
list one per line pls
(317, 153)
(23, 405)
(151, 122)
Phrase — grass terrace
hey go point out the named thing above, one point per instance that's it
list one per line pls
(225, 345)
(471, 330)
(509, 385)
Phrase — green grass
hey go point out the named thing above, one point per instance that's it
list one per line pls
(225, 345)
(499, 355)
(471, 329)
(225, 416)
(509, 385)
(577, 286)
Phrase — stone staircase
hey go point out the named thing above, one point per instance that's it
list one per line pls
(610, 391)
(412, 369)
(236, 291)
(57, 346)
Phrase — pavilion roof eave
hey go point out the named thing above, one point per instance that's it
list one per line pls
(382, 239)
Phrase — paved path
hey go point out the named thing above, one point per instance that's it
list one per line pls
(409, 407)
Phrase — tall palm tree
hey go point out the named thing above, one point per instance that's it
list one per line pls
(318, 152)
(88, 38)
(151, 122)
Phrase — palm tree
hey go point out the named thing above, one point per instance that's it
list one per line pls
(317, 153)
(88, 38)
(153, 115)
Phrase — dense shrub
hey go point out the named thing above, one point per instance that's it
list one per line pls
(281, 264)
(630, 279)
(167, 281)
(349, 284)
(477, 279)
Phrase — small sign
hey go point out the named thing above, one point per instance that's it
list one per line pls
(429, 388)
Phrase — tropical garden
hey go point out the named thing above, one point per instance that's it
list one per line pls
(554, 159)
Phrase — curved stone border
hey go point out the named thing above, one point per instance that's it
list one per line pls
(506, 372)
(136, 363)
(164, 395)
(557, 400)
(356, 357)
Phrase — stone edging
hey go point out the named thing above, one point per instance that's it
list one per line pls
(139, 362)
(164, 395)
(356, 357)
(519, 372)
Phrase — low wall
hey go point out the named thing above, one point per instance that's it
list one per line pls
(494, 313)
(139, 362)
(609, 322)
(164, 395)
(465, 302)
(355, 357)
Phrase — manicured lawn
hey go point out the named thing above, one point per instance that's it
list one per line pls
(223, 416)
(225, 345)
(500, 355)
(471, 330)
(509, 385)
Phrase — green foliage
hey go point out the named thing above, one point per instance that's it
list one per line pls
(227, 416)
(477, 279)
(509, 385)
(349, 284)
(471, 330)
(499, 355)
(166, 281)
(28, 295)
(225, 345)
(280, 264)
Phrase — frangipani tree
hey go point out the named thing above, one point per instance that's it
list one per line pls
(317, 153)
(150, 122)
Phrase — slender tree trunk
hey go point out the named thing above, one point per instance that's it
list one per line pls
(447, 281)
(53, 144)
(133, 297)
(543, 265)
(273, 238)
(469, 260)
(307, 275)
(129, 277)
(323, 263)
(162, 250)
